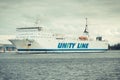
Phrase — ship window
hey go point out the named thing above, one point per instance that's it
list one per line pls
(60, 38)
(29, 44)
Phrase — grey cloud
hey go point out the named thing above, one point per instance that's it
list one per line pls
(59, 14)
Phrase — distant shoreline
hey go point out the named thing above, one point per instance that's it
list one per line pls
(114, 47)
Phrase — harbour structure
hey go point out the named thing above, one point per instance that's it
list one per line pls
(6, 46)
(37, 40)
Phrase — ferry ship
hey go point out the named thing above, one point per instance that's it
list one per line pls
(38, 40)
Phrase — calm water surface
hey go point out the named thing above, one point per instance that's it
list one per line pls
(72, 66)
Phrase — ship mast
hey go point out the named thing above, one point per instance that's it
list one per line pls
(86, 29)
(37, 22)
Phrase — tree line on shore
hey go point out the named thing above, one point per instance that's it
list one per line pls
(114, 47)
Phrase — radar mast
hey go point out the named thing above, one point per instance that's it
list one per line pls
(86, 29)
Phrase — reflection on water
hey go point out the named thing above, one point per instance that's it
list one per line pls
(92, 66)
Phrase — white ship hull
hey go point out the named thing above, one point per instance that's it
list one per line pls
(27, 46)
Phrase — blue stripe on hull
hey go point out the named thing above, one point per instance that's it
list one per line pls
(62, 50)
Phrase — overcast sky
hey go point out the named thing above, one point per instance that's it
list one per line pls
(67, 16)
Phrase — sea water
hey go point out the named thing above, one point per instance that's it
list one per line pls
(54, 66)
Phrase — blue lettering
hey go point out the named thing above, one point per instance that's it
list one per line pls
(59, 45)
(66, 45)
(72, 45)
(86, 46)
(82, 45)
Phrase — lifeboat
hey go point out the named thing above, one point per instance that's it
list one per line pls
(83, 38)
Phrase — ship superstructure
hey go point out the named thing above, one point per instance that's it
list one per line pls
(36, 40)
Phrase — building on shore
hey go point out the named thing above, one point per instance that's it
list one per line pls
(6, 46)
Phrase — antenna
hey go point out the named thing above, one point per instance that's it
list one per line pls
(37, 22)
(86, 22)
(86, 28)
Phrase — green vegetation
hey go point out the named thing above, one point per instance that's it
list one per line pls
(114, 47)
